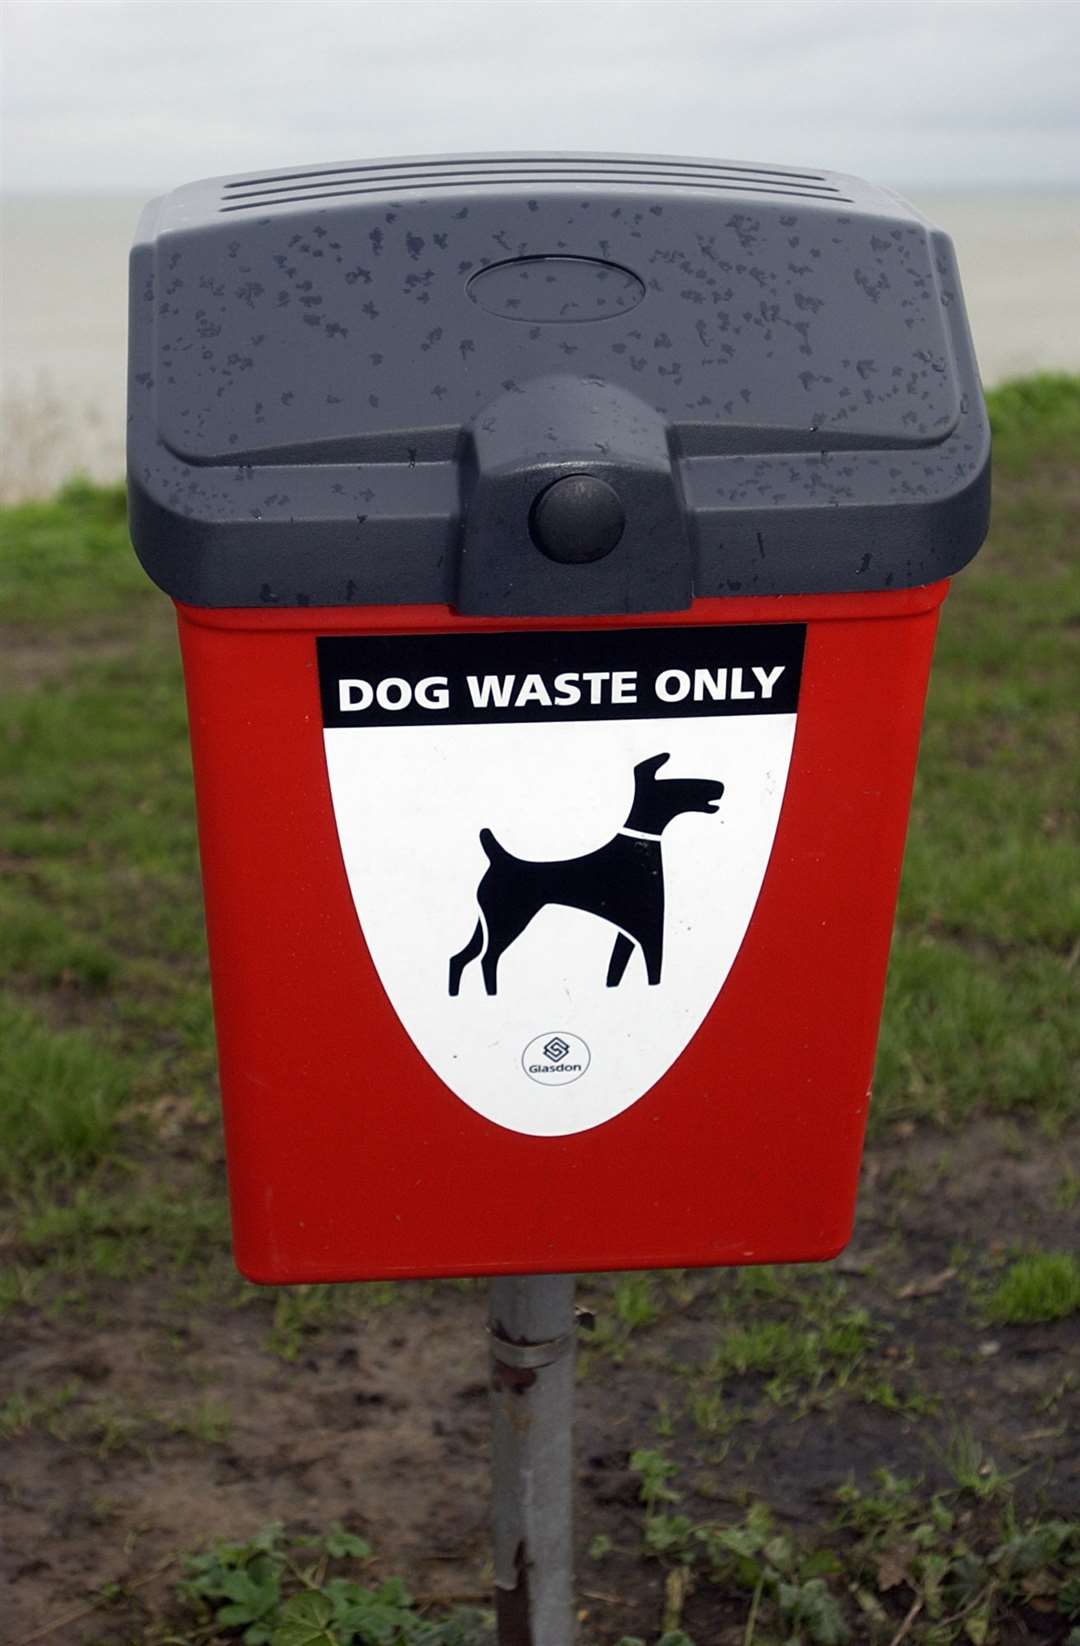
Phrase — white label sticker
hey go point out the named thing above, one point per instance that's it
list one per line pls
(555, 842)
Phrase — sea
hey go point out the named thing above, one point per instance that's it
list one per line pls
(63, 315)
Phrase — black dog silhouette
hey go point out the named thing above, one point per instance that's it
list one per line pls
(622, 881)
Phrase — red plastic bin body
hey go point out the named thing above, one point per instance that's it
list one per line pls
(350, 1159)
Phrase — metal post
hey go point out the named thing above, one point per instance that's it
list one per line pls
(532, 1329)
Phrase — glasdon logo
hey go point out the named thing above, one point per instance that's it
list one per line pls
(555, 1059)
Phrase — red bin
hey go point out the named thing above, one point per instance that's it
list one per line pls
(558, 546)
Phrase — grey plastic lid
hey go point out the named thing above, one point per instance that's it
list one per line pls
(351, 384)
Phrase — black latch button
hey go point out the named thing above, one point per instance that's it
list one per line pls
(577, 519)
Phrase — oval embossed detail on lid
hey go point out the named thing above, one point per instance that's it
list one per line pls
(556, 290)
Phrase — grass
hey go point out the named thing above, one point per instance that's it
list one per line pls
(1043, 1286)
(947, 1568)
(101, 938)
(60, 1094)
(28, 1408)
(94, 1232)
(959, 1563)
(981, 1009)
(1033, 418)
(110, 1157)
(67, 559)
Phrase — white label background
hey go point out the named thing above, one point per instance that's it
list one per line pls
(410, 802)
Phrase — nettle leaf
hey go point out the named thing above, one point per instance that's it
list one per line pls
(373, 1620)
(654, 1470)
(668, 1536)
(822, 1563)
(305, 1621)
(342, 1545)
(253, 1588)
(344, 1592)
(748, 1540)
(779, 1553)
(465, 1628)
(1039, 1546)
(810, 1606)
(256, 1586)
(967, 1578)
(739, 1541)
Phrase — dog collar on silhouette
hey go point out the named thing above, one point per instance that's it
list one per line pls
(638, 834)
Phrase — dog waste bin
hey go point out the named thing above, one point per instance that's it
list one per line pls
(558, 545)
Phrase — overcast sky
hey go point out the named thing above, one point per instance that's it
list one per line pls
(140, 97)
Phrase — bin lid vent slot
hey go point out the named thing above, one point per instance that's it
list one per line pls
(394, 177)
(611, 164)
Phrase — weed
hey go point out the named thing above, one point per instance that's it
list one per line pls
(791, 1355)
(901, 1564)
(882, 1391)
(754, 1559)
(713, 1413)
(653, 1470)
(962, 1571)
(1065, 1386)
(1041, 1287)
(112, 1430)
(665, 1418)
(208, 1423)
(1067, 1190)
(18, 1285)
(627, 1304)
(305, 1592)
(30, 1409)
(633, 1299)
(299, 1312)
(972, 1468)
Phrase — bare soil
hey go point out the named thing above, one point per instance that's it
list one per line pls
(381, 1421)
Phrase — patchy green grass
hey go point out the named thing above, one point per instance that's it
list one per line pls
(111, 1169)
(114, 1234)
(1044, 1286)
(68, 559)
(59, 1097)
(1034, 417)
(26, 1409)
(983, 1009)
(895, 1561)
(105, 1005)
(789, 1354)
(101, 933)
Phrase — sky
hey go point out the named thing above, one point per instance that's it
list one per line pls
(139, 97)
